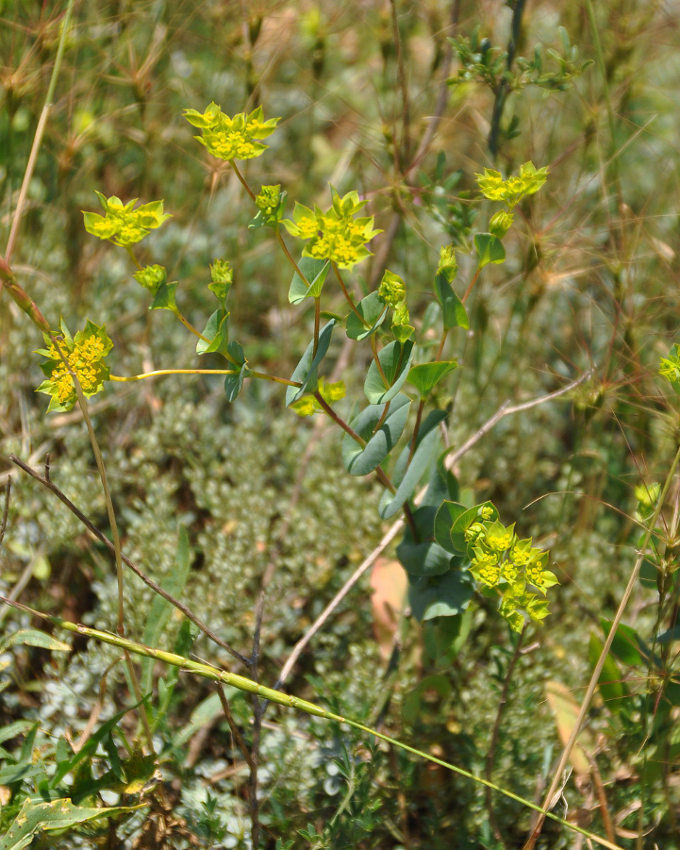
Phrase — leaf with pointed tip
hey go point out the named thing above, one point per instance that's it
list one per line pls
(361, 461)
(489, 249)
(373, 312)
(315, 272)
(233, 383)
(306, 370)
(425, 376)
(216, 332)
(164, 299)
(454, 314)
(395, 359)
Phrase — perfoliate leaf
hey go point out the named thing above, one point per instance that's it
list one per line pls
(372, 310)
(454, 314)
(306, 370)
(382, 385)
(361, 461)
(489, 249)
(425, 376)
(315, 271)
(216, 332)
(164, 298)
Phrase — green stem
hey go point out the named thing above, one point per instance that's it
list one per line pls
(338, 421)
(160, 372)
(290, 257)
(471, 285)
(242, 683)
(348, 297)
(187, 324)
(242, 179)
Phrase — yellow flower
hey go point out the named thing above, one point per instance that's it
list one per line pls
(231, 138)
(121, 224)
(334, 235)
(85, 355)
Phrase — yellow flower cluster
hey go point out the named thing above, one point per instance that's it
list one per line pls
(527, 182)
(334, 235)
(121, 223)
(85, 354)
(516, 568)
(231, 138)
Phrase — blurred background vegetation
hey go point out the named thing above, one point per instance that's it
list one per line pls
(406, 117)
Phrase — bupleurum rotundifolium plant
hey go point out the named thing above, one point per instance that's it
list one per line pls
(448, 548)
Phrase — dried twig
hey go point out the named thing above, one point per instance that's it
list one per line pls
(135, 569)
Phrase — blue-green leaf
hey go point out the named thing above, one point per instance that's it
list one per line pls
(446, 515)
(489, 249)
(395, 359)
(233, 383)
(315, 272)
(440, 596)
(164, 299)
(372, 310)
(216, 332)
(306, 369)
(361, 461)
(425, 376)
(426, 450)
(454, 314)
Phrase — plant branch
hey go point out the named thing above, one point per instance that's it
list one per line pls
(595, 677)
(149, 582)
(242, 683)
(37, 138)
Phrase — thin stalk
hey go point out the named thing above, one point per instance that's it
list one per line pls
(491, 752)
(156, 373)
(290, 257)
(595, 677)
(37, 138)
(242, 179)
(471, 285)
(187, 324)
(279, 237)
(348, 297)
(404, 142)
(317, 324)
(242, 683)
(338, 421)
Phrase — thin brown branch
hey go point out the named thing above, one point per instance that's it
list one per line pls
(149, 582)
